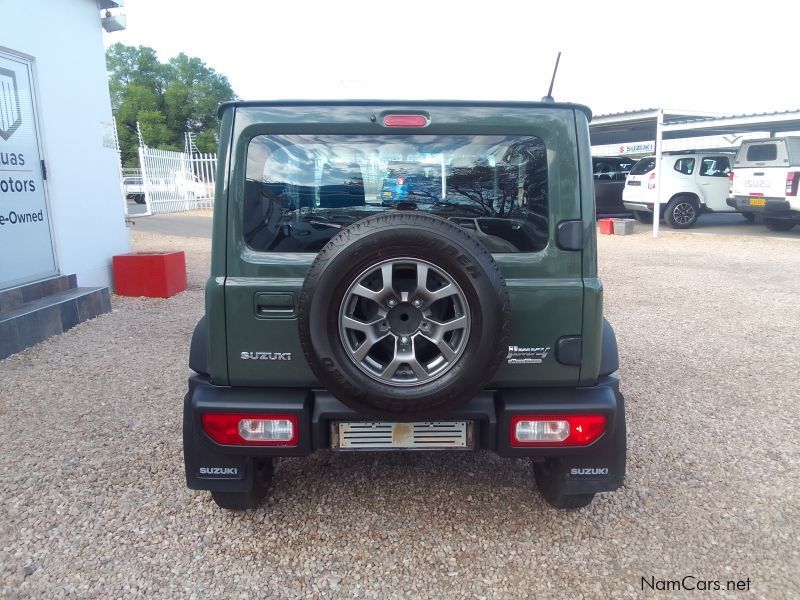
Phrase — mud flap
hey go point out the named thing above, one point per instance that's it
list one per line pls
(599, 467)
(207, 469)
(601, 471)
(211, 466)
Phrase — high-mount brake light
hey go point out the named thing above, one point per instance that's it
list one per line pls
(556, 430)
(651, 182)
(792, 180)
(405, 121)
(241, 429)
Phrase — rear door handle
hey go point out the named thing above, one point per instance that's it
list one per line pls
(275, 305)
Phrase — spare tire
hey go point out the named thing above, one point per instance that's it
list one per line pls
(404, 315)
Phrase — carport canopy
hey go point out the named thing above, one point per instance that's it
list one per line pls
(642, 125)
(635, 126)
(772, 123)
(665, 124)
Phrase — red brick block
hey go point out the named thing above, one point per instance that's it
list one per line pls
(151, 274)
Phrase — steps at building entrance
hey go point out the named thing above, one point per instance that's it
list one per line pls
(36, 311)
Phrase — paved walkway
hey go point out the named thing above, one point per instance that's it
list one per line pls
(175, 224)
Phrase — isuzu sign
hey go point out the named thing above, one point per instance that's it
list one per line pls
(26, 248)
(10, 113)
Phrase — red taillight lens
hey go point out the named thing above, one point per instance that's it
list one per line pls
(730, 182)
(400, 181)
(251, 429)
(405, 121)
(792, 179)
(651, 182)
(556, 430)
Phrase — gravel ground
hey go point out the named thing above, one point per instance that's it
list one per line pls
(94, 503)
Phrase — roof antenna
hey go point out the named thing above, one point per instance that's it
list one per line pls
(549, 97)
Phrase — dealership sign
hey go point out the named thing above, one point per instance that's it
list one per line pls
(637, 148)
(26, 249)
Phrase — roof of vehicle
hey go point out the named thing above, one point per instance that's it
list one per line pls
(773, 139)
(695, 152)
(421, 103)
(673, 153)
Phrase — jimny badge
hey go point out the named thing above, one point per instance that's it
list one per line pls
(517, 355)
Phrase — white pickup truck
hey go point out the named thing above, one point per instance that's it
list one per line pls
(765, 179)
(134, 189)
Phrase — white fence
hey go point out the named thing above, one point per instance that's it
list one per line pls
(176, 181)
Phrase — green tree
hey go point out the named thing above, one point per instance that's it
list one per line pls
(167, 99)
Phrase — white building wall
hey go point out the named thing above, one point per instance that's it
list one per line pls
(65, 39)
(708, 142)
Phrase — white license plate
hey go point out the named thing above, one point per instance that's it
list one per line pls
(377, 435)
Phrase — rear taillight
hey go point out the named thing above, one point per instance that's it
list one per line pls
(405, 121)
(730, 182)
(400, 181)
(651, 182)
(556, 430)
(792, 179)
(248, 429)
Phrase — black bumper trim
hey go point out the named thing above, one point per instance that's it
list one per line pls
(773, 207)
(316, 409)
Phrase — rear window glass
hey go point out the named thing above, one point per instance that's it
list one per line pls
(625, 165)
(793, 147)
(715, 166)
(684, 165)
(762, 153)
(645, 165)
(301, 190)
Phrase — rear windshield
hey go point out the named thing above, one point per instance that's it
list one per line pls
(645, 165)
(301, 190)
(762, 153)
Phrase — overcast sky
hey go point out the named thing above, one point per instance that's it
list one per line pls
(728, 57)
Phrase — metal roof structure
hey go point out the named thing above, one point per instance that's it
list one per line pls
(636, 125)
(772, 122)
(641, 125)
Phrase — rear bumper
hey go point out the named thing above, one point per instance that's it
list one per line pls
(645, 207)
(773, 207)
(599, 466)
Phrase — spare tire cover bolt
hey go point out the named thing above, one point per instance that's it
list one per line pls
(392, 302)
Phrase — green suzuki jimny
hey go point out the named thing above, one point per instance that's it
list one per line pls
(404, 276)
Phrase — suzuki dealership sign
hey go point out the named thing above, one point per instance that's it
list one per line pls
(26, 248)
(637, 148)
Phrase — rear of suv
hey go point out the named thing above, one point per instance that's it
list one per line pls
(765, 180)
(466, 317)
(691, 184)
